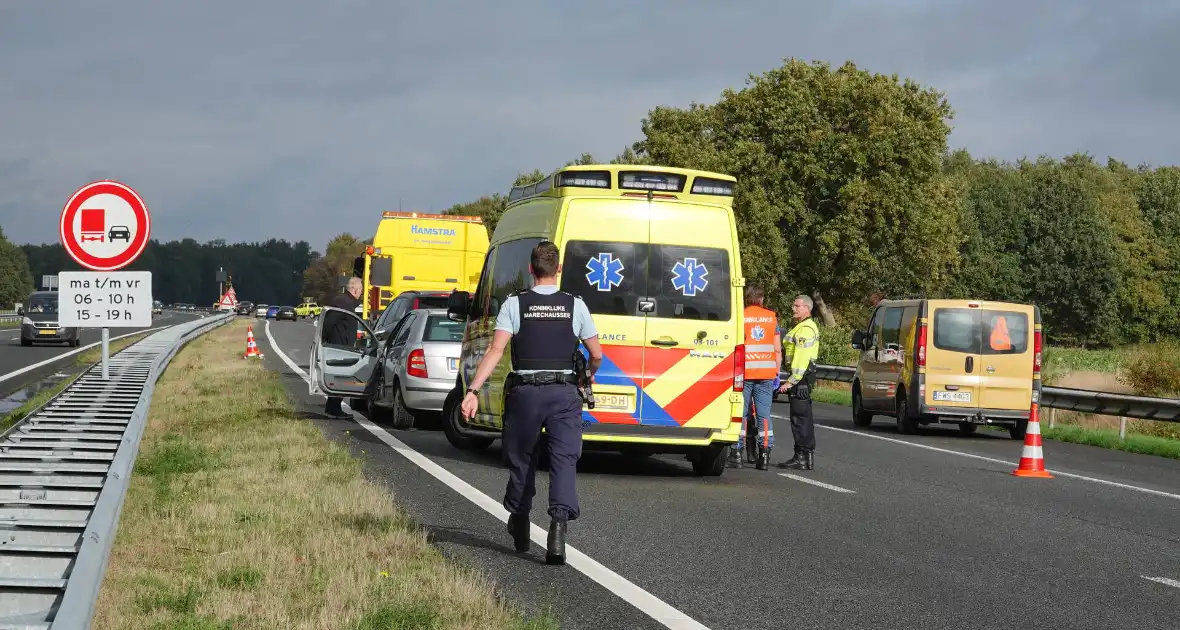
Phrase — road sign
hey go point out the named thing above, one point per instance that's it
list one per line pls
(122, 299)
(105, 226)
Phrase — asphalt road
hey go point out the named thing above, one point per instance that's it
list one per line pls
(14, 357)
(925, 531)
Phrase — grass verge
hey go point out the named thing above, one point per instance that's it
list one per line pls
(81, 363)
(1137, 441)
(241, 514)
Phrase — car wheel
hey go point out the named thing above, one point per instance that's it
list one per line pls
(453, 419)
(26, 342)
(710, 460)
(378, 413)
(860, 417)
(403, 418)
(906, 424)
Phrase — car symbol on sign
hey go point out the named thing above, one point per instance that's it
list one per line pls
(119, 232)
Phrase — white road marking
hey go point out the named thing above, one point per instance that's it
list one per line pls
(1163, 580)
(77, 350)
(650, 604)
(948, 451)
(817, 483)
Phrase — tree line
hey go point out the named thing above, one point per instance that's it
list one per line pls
(848, 191)
(184, 271)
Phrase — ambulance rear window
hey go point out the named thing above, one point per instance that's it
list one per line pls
(690, 282)
(609, 276)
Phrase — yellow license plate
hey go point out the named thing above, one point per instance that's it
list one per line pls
(46, 332)
(621, 402)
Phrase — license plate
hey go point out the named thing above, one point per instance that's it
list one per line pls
(453, 364)
(953, 396)
(621, 402)
(47, 332)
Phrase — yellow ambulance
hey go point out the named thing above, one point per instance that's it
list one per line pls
(653, 252)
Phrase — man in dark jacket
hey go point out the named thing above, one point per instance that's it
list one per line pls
(341, 330)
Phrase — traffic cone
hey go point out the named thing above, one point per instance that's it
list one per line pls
(251, 347)
(1032, 459)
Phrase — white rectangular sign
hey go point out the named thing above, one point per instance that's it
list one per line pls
(105, 299)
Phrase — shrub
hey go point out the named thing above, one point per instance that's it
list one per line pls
(1154, 370)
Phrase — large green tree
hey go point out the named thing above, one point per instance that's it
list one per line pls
(840, 178)
(16, 280)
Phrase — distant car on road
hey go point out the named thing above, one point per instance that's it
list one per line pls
(308, 309)
(272, 312)
(119, 232)
(261, 310)
(157, 308)
(418, 366)
(40, 324)
(286, 312)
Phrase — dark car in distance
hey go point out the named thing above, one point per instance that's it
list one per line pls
(39, 322)
(286, 312)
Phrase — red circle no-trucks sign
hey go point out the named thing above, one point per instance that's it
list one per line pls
(105, 226)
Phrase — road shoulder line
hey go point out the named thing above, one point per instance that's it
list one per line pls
(649, 604)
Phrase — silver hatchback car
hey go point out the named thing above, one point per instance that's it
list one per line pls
(420, 360)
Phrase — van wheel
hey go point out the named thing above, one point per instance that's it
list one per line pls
(906, 424)
(453, 419)
(710, 460)
(402, 418)
(1017, 430)
(860, 417)
(966, 428)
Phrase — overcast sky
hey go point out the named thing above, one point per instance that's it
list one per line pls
(297, 119)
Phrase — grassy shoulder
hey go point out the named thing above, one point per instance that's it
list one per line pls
(241, 514)
(81, 363)
(1139, 436)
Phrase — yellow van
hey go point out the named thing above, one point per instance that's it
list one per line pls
(417, 251)
(653, 252)
(961, 362)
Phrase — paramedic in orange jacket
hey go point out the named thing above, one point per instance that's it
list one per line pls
(763, 358)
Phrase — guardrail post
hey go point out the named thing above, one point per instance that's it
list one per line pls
(1052, 417)
(1123, 428)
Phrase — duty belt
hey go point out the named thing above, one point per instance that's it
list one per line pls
(543, 378)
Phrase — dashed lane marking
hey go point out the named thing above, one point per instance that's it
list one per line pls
(1163, 580)
(948, 451)
(817, 483)
(646, 602)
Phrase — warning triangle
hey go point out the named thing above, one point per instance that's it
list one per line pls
(229, 299)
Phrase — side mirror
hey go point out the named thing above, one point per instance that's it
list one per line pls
(858, 340)
(458, 306)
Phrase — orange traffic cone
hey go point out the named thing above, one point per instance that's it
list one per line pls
(1032, 459)
(251, 347)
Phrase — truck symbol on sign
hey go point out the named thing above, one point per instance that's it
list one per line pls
(94, 225)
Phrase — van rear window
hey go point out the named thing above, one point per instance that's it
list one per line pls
(974, 331)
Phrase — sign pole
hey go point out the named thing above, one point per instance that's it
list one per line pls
(106, 353)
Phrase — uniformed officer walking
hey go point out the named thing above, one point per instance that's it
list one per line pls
(801, 352)
(545, 326)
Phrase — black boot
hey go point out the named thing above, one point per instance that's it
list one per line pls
(518, 526)
(794, 461)
(806, 461)
(735, 458)
(555, 554)
(764, 459)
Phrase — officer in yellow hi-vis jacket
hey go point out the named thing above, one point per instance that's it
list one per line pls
(801, 353)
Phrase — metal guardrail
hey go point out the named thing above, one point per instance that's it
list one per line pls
(1080, 400)
(64, 473)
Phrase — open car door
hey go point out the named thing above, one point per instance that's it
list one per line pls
(341, 369)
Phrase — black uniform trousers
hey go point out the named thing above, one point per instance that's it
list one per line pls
(527, 408)
(802, 420)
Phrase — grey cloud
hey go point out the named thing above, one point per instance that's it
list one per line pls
(301, 120)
